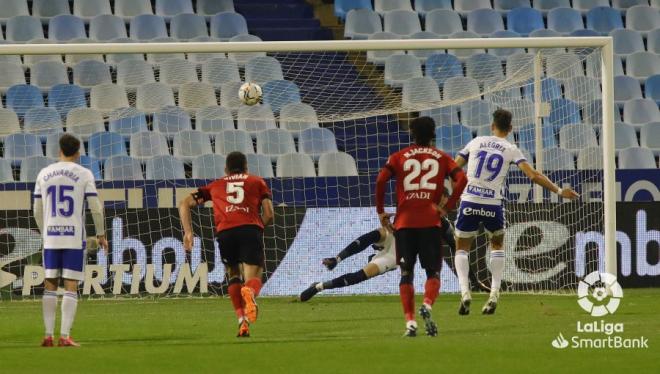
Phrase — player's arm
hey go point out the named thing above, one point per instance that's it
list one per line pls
(38, 212)
(96, 208)
(460, 160)
(267, 213)
(185, 216)
(459, 181)
(358, 245)
(543, 181)
(381, 182)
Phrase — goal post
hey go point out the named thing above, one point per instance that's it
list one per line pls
(345, 83)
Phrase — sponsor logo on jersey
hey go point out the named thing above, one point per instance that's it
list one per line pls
(418, 195)
(481, 191)
(236, 208)
(478, 212)
(61, 231)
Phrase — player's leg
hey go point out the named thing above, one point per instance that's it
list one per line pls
(430, 258)
(495, 227)
(369, 271)
(52, 261)
(467, 226)
(406, 254)
(252, 258)
(358, 245)
(229, 256)
(73, 274)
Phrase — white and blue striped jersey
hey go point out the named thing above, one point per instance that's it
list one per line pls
(488, 160)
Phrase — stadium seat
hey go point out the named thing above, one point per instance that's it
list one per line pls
(117, 58)
(151, 97)
(159, 58)
(103, 145)
(337, 164)
(452, 138)
(263, 69)
(24, 28)
(626, 42)
(9, 121)
(360, 23)
(83, 122)
(66, 27)
(626, 88)
(343, 7)
(255, 118)
(275, 142)
(504, 6)
(401, 22)
(260, 165)
(418, 91)
(315, 141)
(71, 59)
(488, 131)
(12, 8)
(594, 66)
(229, 95)
(592, 113)
(625, 4)
(209, 8)
(187, 26)
(444, 115)
(189, 144)
(171, 120)
(484, 21)
(379, 57)
(384, 6)
(636, 158)
(642, 18)
(642, 65)
(577, 136)
(19, 146)
(557, 159)
(625, 136)
(545, 6)
(423, 54)
(604, 19)
(145, 27)
(565, 20)
(108, 97)
(527, 138)
(653, 41)
(652, 88)
(31, 166)
(148, 144)
(563, 112)
(42, 121)
(522, 111)
(464, 53)
(484, 67)
(93, 165)
(90, 73)
(227, 141)
(53, 145)
(11, 74)
(226, 25)
(209, 166)
(122, 168)
(200, 58)
(128, 9)
(46, 9)
(106, 27)
(196, 95)
(590, 158)
(524, 20)
(294, 165)
(296, 117)
(399, 68)
(213, 119)
(582, 89)
(88, 9)
(649, 137)
(564, 66)
(476, 113)
(585, 6)
(423, 7)
(22, 97)
(519, 65)
(6, 174)
(242, 58)
(443, 22)
(460, 88)
(278, 93)
(171, 8)
(177, 71)
(550, 90)
(65, 97)
(134, 73)
(127, 121)
(503, 53)
(639, 112)
(466, 6)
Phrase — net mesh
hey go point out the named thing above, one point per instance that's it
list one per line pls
(157, 126)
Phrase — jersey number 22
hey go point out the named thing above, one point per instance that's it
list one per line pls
(414, 168)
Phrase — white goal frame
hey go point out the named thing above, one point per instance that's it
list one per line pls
(607, 82)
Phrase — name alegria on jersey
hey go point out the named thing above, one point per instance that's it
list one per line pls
(480, 191)
(62, 172)
(478, 212)
(492, 145)
(61, 231)
(423, 150)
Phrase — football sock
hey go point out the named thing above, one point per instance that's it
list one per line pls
(345, 280)
(407, 293)
(431, 290)
(69, 306)
(234, 290)
(49, 307)
(462, 262)
(496, 268)
(255, 285)
(359, 244)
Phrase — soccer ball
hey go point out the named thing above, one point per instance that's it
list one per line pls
(249, 93)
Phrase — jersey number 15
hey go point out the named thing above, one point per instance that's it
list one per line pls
(414, 168)
(57, 195)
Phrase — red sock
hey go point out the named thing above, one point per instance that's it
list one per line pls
(234, 290)
(431, 290)
(255, 285)
(407, 292)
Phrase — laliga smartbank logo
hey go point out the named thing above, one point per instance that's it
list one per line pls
(599, 294)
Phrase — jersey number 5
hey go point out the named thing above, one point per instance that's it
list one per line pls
(235, 192)
(414, 169)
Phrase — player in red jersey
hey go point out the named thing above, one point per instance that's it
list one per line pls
(420, 172)
(242, 206)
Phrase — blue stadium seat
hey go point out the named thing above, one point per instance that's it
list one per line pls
(642, 65)
(46, 9)
(295, 165)
(384, 6)
(227, 141)
(213, 119)
(31, 166)
(189, 144)
(219, 70)
(652, 88)
(527, 138)
(550, 90)
(145, 27)
(90, 73)
(460, 88)
(452, 138)
(226, 25)
(399, 68)
(590, 158)
(442, 66)
(642, 18)
(24, 28)
(22, 97)
(209, 8)
(187, 26)
(65, 97)
(19, 146)
(563, 112)
(84, 122)
(108, 97)
(171, 120)
(47, 74)
(465, 53)
(577, 136)
(275, 142)
(103, 145)
(165, 167)
(558, 159)
(423, 7)
(42, 121)
(565, 20)
(418, 91)
(106, 27)
(585, 6)
(127, 121)
(484, 67)
(476, 113)
(316, 141)
(10, 124)
(625, 136)
(127, 9)
(263, 69)
(504, 53)
(88, 9)
(255, 118)
(582, 89)
(6, 174)
(148, 144)
(604, 19)
(592, 113)
(626, 88)
(401, 22)
(423, 54)
(466, 6)
(171, 8)
(210, 166)
(639, 112)
(627, 42)
(278, 93)
(649, 137)
(504, 6)
(122, 167)
(93, 165)
(260, 165)
(12, 8)
(11, 74)
(360, 23)
(545, 6)
(524, 20)
(484, 21)
(379, 57)
(443, 22)
(338, 164)
(636, 158)
(522, 111)
(343, 7)
(584, 33)
(296, 117)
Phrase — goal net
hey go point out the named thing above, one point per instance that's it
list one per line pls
(156, 126)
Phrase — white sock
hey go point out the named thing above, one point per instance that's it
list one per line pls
(462, 262)
(69, 305)
(496, 268)
(49, 307)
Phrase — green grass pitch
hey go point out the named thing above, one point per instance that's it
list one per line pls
(356, 334)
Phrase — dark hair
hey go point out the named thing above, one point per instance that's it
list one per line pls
(236, 163)
(502, 120)
(423, 130)
(69, 145)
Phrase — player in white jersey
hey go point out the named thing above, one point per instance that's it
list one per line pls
(488, 159)
(61, 192)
